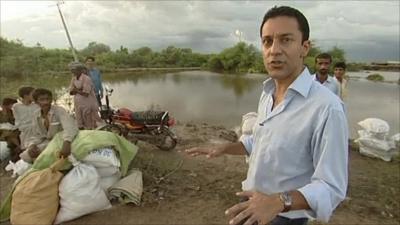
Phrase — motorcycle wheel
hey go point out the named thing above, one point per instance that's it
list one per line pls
(169, 141)
(116, 129)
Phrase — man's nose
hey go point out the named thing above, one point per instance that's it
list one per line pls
(276, 47)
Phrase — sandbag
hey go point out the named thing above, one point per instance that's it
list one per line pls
(107, 182)
(248, 121)
(80, 192)
(35, 199)
(371, 152)
(103, 157)
(107, 171)
(18, 168)
(396, 139)
(379, 128)
(377, 144)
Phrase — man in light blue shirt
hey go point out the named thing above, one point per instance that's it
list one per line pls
(298, 151)
(95, 75)
(322, 63)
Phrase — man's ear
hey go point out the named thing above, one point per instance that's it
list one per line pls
(305, 48)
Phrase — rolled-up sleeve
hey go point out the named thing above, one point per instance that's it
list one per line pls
(330, 158)
(247, 141)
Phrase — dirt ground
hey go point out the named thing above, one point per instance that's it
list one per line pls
(179, 189)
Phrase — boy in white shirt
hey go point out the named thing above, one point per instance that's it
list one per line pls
(23, 112)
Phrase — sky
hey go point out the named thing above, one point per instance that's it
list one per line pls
(366, 30)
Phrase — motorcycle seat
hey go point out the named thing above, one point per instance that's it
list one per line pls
(149, 117)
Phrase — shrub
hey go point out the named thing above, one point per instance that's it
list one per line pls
(375, 77)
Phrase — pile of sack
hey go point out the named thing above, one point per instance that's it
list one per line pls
(374, 140)
(47, 196)
(248, 121)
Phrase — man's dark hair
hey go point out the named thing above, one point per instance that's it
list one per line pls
(324, 56)
(8, 101)
(40, 92)
(26, 90)
(340, 65)
(90, 57)
(289, 12)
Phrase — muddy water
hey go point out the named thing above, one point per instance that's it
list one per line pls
(222, 99)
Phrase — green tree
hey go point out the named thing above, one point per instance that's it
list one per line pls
(95, 48)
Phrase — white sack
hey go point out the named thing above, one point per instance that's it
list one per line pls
(386, 156)
(377, 144)
(377, 127)
(107, 182)
(248, 121)
(103, 157)
(18, 168)
(396, 139)
(4, 150)
(107, 171)
(80, 192)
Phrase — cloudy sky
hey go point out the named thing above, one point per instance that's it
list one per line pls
(367, 30)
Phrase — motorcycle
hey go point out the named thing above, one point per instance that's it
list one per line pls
(149, 126)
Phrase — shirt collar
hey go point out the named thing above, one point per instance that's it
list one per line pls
(329, 79)
(301, 85)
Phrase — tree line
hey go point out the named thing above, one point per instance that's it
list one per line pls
(18, 59)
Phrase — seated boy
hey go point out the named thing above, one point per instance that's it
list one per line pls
(47, 122)
(23, 112)
(8, 132)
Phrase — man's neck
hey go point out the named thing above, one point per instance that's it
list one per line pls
(322, 77)
(44, 112)
(26, 102)
(281, 85)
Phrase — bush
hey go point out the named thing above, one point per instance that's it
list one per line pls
(375, 77)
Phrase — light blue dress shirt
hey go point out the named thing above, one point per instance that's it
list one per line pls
(96, 78)
(330, 83)
(302, 144)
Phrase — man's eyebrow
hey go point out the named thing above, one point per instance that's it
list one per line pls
(279, 35)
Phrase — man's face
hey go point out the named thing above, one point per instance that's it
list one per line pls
(339, 72)
(44, 101)
(283, 50)
(322, 66)
(90, 63)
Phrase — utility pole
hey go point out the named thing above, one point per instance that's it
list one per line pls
(66, 31)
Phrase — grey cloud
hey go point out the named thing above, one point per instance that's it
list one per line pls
(208, 26)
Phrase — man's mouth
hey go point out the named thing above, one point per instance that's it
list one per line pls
(275, 63)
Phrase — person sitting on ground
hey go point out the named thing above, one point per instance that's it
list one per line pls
(47, 122)
(85, 103)
(8, 132)
(23, 112)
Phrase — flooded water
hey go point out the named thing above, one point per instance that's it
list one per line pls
(222, 99)
(201, 96)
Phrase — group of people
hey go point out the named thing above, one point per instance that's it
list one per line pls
(35, 120)
(298, 152)
(338, 83)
